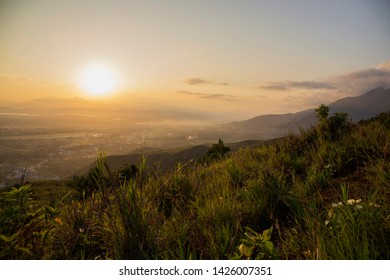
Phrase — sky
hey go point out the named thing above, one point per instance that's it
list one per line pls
(237, 59)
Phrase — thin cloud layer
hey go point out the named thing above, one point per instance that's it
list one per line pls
(356, 82)
(367, 73)
(384, 66)
(208, 95)
(197, 81)
(200, 81)
(289, 85)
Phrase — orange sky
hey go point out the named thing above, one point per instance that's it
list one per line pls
(237, 58)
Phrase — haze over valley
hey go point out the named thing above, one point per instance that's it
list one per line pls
(78, 77)
(194, 130)
(49, 145)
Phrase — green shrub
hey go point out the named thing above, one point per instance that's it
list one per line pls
(256, 246)
(217, 151)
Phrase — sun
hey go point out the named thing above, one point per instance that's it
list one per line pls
(99, 80)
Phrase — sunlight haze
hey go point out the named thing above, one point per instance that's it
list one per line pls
(194, 130)
(99, 79)
(235, 59)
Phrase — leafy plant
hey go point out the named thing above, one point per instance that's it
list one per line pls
(256, 246)
(25, 225)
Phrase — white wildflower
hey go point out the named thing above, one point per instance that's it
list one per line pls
(374, 205)
(350, 201)
(353, 201)
(336, 205)
(326, 222)
(358, 207)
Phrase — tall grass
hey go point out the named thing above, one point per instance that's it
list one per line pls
(305, 196)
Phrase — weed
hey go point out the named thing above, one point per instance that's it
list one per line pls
(324, 190)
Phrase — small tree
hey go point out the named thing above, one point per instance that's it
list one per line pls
(216, 151)
(338, 124)
(331, 128)
(322, 113)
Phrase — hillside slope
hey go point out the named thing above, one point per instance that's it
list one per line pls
(167, 159)
(321, 194)
(265, 127)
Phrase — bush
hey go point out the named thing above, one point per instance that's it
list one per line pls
(216, 152)
(332, 128)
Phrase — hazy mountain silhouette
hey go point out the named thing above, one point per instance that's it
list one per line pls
(364, 106)
(266, 127)
(167, 159)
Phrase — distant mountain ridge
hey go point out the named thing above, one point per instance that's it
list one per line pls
(266, 127)
(364, 106)
(257, 130)
(167, 159)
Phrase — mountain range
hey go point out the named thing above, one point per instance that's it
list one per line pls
(267, 127)
(59, 145)
(259, 129)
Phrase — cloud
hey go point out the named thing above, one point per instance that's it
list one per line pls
(197, 81)
(367, 73)
(353, 83)
(200, 81)
(289, 85)
(275, 86)
(208, 95)
(361, 81)
(384, 66)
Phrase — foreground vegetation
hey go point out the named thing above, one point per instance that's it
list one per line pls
(321, 194)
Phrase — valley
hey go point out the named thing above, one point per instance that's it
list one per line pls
(53, 146)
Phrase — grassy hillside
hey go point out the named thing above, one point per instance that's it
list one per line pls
(321, 194)
(166, 159)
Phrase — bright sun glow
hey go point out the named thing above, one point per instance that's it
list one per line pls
(99, 80)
